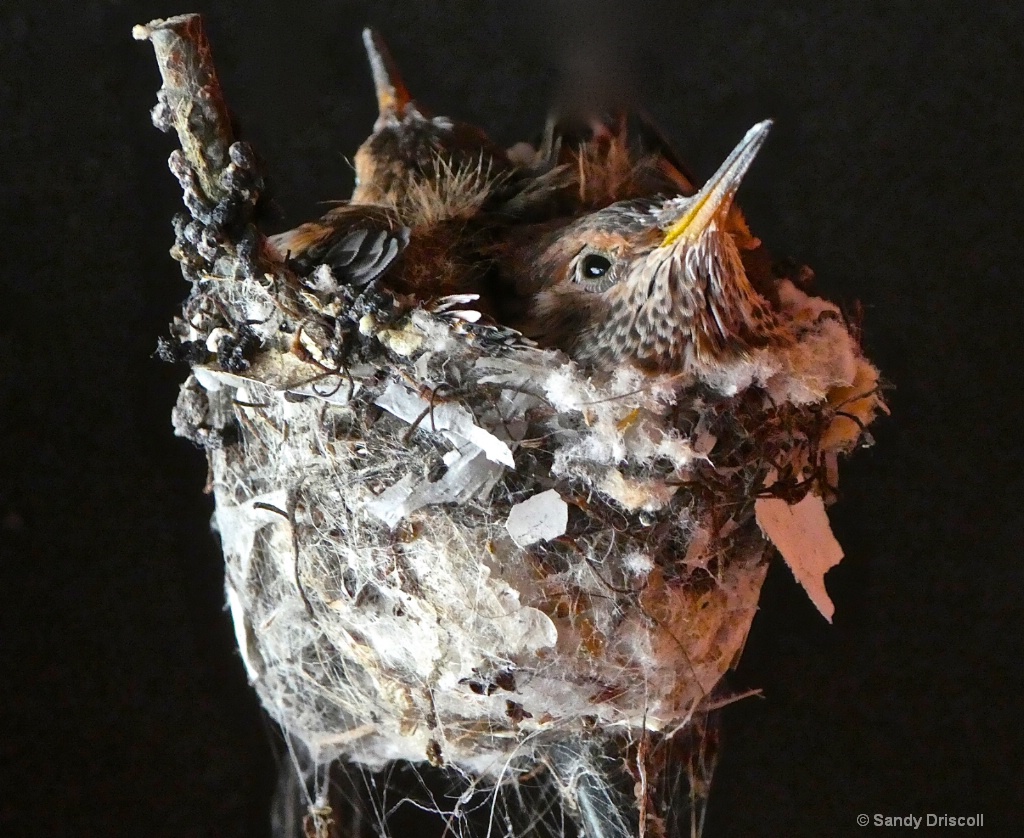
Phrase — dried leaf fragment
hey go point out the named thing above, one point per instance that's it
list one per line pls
(802, 534)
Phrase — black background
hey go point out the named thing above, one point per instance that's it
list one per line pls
(895, 169)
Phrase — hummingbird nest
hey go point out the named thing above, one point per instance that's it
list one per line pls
(445, 541)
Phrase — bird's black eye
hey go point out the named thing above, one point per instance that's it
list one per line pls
(595, 266)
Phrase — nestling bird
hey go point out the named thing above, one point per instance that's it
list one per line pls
(409, 148)
(659, 283)
(430, 185)
(623, 155)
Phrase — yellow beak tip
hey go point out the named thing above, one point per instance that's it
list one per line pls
(717, 194)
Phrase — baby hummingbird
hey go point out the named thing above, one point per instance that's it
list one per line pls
(656, 282)
(410, 148)
(416, 216)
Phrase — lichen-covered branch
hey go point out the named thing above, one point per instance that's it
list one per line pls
(190, 100)
(220, 177)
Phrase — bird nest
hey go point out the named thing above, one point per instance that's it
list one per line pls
(445, 542)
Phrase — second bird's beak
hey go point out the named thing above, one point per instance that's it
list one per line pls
(392, 94)
(716, 196)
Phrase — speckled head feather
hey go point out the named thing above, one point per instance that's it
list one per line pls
(657, 283)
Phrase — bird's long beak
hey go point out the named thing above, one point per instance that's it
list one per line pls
(717, 195)
(392, 94)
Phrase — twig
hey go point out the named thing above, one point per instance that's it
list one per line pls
(221, 179)
(190, 100)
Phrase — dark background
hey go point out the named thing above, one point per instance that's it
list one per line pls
(895, 169)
